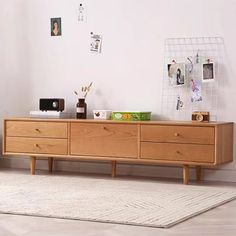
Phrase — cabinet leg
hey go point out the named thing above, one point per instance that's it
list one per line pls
(113, 169)
(186, 174)
(50, 164)
(199, 173)
(32, 165)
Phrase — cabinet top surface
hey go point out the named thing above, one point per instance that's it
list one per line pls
(152, 122)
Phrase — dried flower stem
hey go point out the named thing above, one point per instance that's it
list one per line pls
(85, 90)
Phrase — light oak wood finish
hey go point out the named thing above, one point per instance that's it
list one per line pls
(177, 134)
(186, 174)
(224, 143)
(32, 165)
(178, 152)
(36, 129)
(36, 145)
(150, 142)
(112, 140)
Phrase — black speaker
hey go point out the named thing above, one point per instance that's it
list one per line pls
(51, 104)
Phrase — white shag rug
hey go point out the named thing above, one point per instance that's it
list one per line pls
(134, 202)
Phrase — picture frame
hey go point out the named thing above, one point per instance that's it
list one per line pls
(56, 26)
(208, 72)
(177, 74)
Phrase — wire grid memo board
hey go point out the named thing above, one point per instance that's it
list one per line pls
(178, 102)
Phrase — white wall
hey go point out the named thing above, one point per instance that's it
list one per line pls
(15, 86)
(128, 72)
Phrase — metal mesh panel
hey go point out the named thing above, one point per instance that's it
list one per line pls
(193, 52)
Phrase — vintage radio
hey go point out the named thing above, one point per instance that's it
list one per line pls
(51, 104)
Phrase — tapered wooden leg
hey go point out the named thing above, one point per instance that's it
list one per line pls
(186, 174)
(113, 169)
(50, 164)
(199, 173)
(32, 164)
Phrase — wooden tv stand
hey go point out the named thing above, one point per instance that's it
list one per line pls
(151, 142)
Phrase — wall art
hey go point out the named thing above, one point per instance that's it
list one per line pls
(82, 13)
(96, 43)
(196, 90)
(208, 72)
(56, 26)
(176, 74)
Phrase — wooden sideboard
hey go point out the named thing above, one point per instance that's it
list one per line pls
(151, 142)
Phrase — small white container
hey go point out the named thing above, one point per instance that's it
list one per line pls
(102, 114)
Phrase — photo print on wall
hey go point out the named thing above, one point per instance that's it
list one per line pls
(196, 90)
(56, 26)
(208, 71)
(96, 43)
(176, 74)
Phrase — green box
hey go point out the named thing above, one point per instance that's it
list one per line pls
(130, 116)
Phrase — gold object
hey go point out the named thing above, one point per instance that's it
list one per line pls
(201, 116)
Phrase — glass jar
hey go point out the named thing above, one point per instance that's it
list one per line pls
(81, 109)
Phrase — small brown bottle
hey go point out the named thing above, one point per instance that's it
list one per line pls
(81, 109)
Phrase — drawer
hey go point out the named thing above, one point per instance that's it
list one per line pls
(177, 134)
(36, 145)
(178, 152)
(36, 129)
(110, 140)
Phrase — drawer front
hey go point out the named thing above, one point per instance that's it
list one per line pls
(36, 145)
(178, 134)
(178, 152)
(36, 129)
(110, 140)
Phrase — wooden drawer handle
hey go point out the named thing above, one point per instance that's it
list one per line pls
(38, 130)
(36, 145)
(178, 152)
(176, 134)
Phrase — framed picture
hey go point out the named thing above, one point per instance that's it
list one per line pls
(176, 74)
(208, 72)
(55, 26)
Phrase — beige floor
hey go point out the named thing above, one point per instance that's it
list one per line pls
(217, 222)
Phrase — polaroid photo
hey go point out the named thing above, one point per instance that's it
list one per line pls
(177, 74)
(208, 72)
(56, 26)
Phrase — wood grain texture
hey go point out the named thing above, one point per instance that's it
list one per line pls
(32, 165)
(177, 134)
(36, 129)
(224, 143)
(152, 122)
(178, 152)
(112, 140)
(4, 137)
(148, 142)
(185, 174)
(36, 145)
